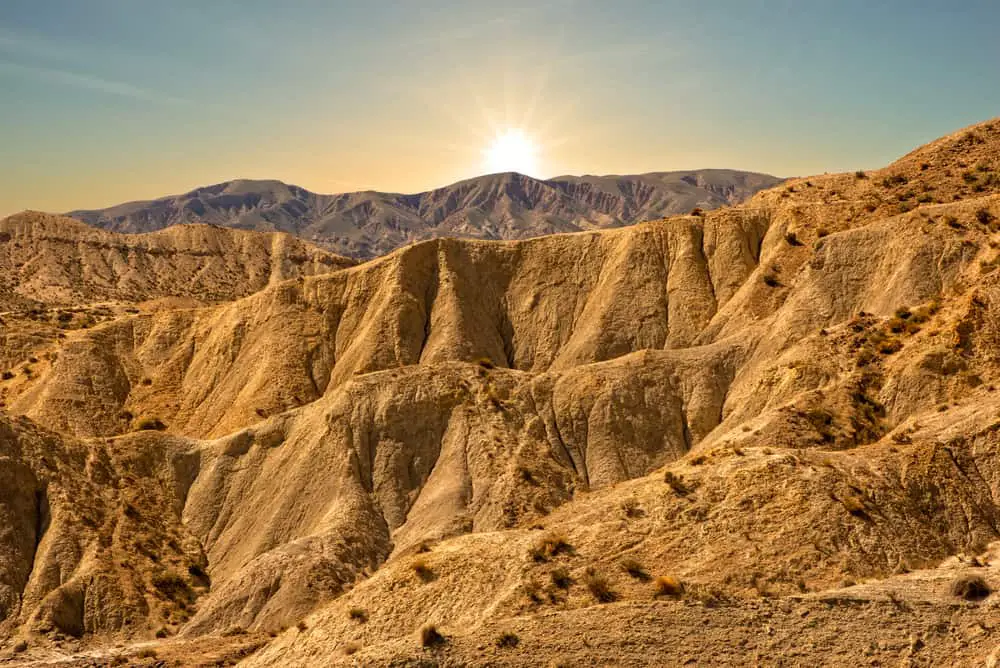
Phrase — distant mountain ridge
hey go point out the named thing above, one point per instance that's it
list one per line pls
(498, 206)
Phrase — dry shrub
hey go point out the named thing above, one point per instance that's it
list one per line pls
(890, 347)
(561, 578)
(631, 508)
(422, 570)
(897, 325)
(668, 585)
(527, 475)
(149, 423)
(508, 640)
(533, 590)
(431, 637)
(635, 569)
(171, 585)
(854, 505)
(970, 587)
(494, 399)
(676, 483)
(866, 355)
(551, 545)
(599, 587)
(705, 595)
(823, 422)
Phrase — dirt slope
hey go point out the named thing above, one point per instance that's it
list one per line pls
(766, 432)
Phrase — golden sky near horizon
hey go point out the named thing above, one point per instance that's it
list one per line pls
(110, 101)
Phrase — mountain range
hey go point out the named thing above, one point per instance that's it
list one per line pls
(498, 206)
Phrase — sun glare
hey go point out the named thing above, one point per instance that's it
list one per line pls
(511, 151)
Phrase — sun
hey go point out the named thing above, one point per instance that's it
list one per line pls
(511, 151)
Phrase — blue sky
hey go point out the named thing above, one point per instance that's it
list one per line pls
(103, 101)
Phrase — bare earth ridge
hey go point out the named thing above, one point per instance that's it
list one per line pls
(763, 434)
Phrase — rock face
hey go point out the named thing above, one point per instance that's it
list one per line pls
(715, 425)
(499, 206)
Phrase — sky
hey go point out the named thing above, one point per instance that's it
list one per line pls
(106, 101)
